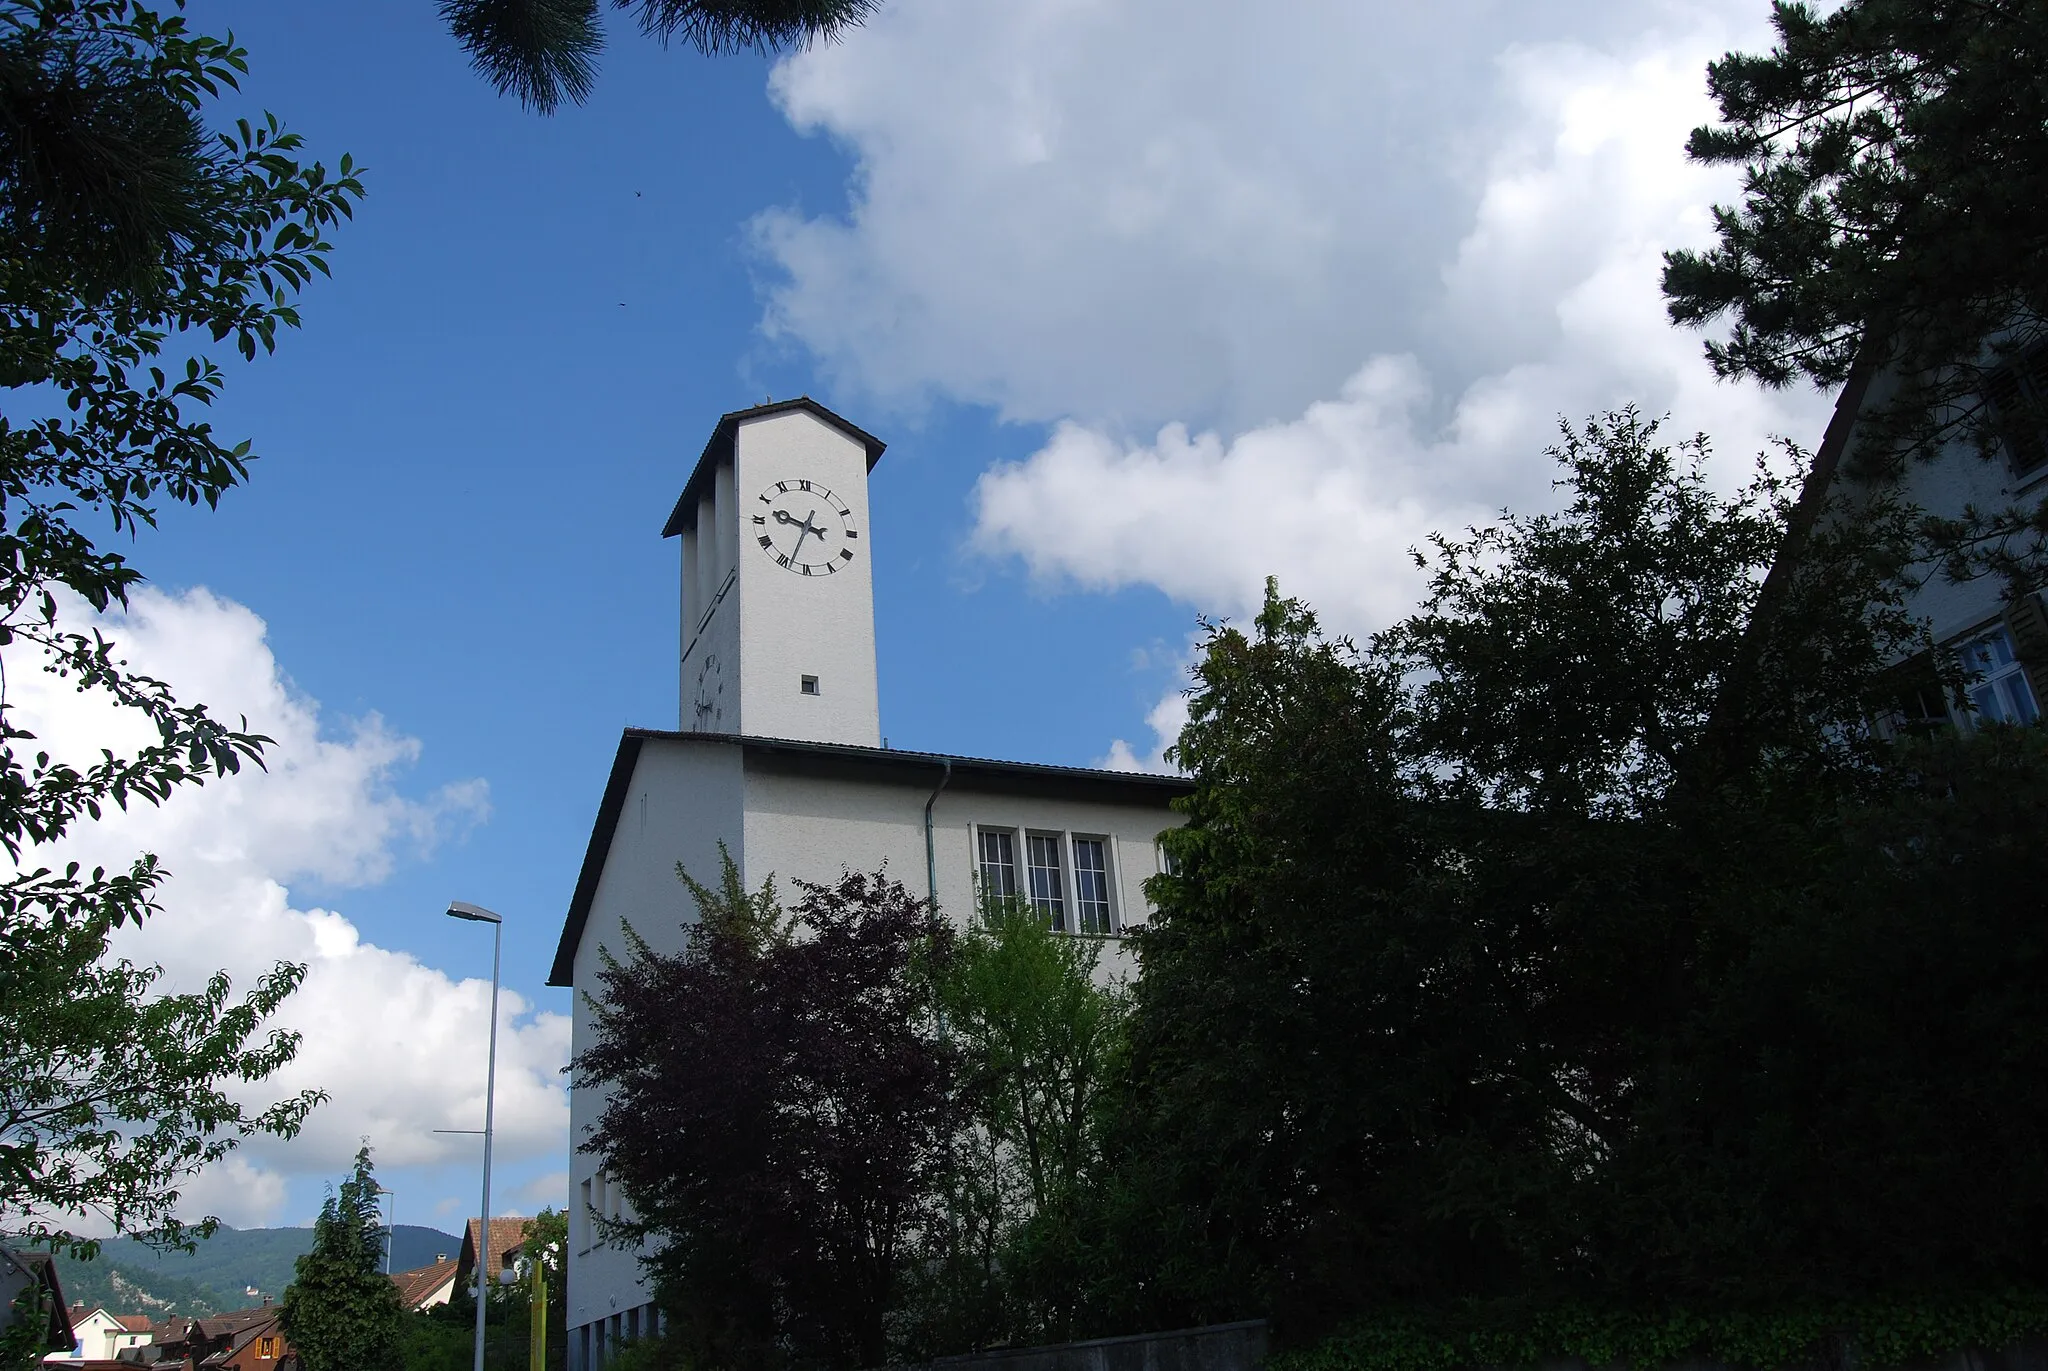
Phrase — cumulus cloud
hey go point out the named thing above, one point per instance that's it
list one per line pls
(1146, 210)
(396, 1043)
(1347, 271)
(1554, 286)
(1165, 720)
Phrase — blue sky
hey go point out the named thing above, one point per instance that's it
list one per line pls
(1148, 300)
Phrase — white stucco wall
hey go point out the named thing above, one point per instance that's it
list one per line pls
(813, 827)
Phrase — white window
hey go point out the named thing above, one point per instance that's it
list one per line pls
(998, 854)
(1091, 887)
(1068, 877)
(1043, 868)
(583, 1219)
(1999, 692)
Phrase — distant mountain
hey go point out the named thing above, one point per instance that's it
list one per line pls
(131, 1278)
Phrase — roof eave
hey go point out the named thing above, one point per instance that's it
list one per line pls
(719, 445)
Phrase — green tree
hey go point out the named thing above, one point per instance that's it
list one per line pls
(127, 231)
(545, 51)
(341, 1312)
(1472, 984)
(778, 1108)
(1895, 156)
(1037, 1035)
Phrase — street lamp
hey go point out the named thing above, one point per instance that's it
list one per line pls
(390, 1220)
(479, 915)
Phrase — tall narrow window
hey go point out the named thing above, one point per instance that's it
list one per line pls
(2018, 392)
(998, 864)
(1042, 852)
(1999, 694)
(1091, 887)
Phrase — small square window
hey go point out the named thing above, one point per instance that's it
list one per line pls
(809, 685)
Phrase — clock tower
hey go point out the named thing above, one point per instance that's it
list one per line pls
(778, 614)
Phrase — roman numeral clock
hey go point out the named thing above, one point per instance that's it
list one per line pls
(804, 528)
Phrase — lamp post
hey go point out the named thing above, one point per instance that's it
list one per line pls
(390, 1221)
(478, 914)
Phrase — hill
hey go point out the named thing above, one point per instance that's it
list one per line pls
(233, 1269)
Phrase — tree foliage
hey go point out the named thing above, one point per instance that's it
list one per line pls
(545, 51)
(111, 1092)
(777, 1112)
(1895, 154)
(127, 231)
(1038, 1036)
(1472, 983)
(341, 1312)
(1895, 157)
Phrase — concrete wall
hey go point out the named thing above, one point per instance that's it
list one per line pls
(1218, 1347)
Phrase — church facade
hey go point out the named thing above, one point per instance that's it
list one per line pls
(778, 755)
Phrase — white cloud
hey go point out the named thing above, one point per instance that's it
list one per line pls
(1553, 288)
(1145, 210)
(1165, 720)
(398, 1045)
(548, 1191)
(1346, 268)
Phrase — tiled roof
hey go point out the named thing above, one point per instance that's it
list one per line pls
(132, 1323)
(507, 1237)
(417, 1285)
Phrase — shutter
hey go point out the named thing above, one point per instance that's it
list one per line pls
(2027, 619)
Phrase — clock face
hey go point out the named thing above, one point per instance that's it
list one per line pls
(805, 528)
(710, 692)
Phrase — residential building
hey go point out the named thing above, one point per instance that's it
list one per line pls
(507, 1240)
(2000, 639)
(239, 1340)
(25, 1271)
(100, 1336)
(429, 1286)
(778, 758)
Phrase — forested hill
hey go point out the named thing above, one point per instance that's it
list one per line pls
(129, 1278)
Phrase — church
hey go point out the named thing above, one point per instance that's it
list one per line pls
(778, 755)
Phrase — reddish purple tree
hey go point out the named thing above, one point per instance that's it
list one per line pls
(778, 1113)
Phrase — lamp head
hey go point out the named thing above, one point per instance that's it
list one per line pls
(475, 913)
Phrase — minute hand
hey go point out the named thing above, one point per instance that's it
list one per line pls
(806, 528)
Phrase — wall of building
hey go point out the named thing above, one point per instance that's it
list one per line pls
(685, 797)
(812, 827)
(794, 626)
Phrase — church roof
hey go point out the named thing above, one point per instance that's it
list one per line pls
(719, 449)
(845, 759)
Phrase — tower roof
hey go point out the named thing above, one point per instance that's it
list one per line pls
(719, 449)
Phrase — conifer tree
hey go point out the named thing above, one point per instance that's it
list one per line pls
(341, 1313)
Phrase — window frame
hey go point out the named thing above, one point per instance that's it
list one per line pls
(2000, 678)
(2017, 391)
(1067, 916)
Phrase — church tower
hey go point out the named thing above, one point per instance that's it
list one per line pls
(778, 614)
